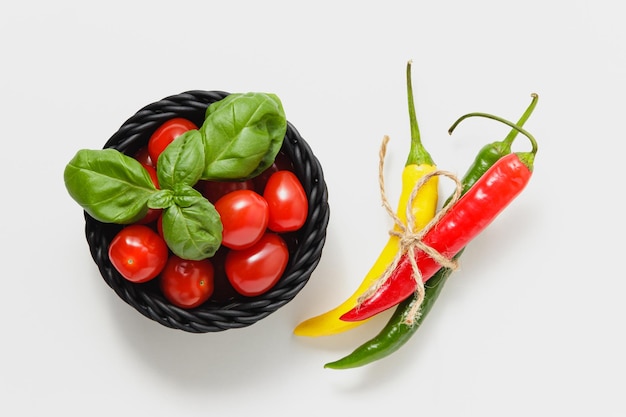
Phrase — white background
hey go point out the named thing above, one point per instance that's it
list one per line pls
(532, 323)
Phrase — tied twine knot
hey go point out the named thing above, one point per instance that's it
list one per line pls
(410, 239)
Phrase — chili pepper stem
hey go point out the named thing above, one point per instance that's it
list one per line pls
(527, 158)
(501, 120)
(508, 140)
(418, 155)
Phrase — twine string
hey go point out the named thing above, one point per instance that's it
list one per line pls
(411, 240)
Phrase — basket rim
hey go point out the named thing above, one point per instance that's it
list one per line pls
(210, 317)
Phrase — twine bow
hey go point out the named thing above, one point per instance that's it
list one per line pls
(410, 239)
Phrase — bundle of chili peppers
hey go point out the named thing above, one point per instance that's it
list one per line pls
(425, 245)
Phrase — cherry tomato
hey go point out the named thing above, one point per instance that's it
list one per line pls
(143, 156)
(255, 270)
(244, 216)
(287, 202)
(152, 214)
(281, 162)
(223, 292)
(214, 190)
(138, 253)
(165, 134)
(159, 225)
(186, 283)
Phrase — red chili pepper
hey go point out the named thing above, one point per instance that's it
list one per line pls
(469, 216)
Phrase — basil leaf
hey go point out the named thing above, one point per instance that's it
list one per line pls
(110, 186)
(182, 161)
(242, 134)
(193, 232)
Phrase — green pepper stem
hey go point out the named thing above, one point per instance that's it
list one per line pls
(527, 158)
(508, 141)
(418, 155)
(501, 120)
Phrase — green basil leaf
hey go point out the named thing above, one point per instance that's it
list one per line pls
(193, 232)
(182, 161)
(242, 135)
(161, 199)
(110, 186)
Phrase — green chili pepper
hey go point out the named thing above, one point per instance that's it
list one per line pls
(398, 331)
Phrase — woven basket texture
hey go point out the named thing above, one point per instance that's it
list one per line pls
(236, 312)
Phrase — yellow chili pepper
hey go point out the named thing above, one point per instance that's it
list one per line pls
(419, 163)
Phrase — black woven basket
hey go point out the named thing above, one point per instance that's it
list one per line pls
(236, 312)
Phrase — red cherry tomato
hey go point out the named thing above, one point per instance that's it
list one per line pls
(223, 292)
(153, 174)
(143, 156)
(287, 202)
(255, 270)
(165, 134)
(159, 224)
(244, 216)
(281, 162)
(152, 214)
(214, 190)
(138, 253)
(186, 283)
